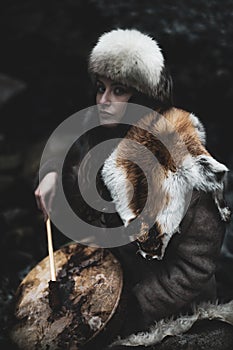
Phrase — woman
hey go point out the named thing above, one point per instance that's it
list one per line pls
(179, 269)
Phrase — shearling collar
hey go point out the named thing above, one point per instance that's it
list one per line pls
(173, 327)
(152, 172)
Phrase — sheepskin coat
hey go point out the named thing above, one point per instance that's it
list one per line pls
(185, 275)
(183, 272)
(184, 240)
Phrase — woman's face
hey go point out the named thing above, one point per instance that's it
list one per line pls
(111, 99)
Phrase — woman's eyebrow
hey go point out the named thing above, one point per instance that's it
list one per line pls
(116, 83)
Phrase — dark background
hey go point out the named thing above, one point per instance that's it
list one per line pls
(43, 80)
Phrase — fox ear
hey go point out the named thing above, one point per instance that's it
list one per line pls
(199, 127)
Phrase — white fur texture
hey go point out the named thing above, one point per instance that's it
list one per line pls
(130, 57)
(199, 127)
(195, 172)
(116, 181)
(170, 327)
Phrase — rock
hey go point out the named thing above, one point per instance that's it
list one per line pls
(9, 87)
(11, 162)
(15, 216)
(6, 181)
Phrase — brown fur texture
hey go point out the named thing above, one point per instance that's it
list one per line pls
(163, 158)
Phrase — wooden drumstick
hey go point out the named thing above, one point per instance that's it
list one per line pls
(50, 249)
(54, 292)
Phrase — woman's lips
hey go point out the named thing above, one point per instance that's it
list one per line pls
(106, 116)
(106, 113)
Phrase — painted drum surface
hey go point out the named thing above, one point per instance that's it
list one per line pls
(90, 285)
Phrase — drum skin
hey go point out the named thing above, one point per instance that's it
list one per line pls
(90, 286)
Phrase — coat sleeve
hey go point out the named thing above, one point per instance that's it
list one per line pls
(59, 165)
(188, 267)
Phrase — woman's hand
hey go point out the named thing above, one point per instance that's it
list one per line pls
(45, 193)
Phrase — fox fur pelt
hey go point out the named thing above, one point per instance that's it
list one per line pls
(152, 172)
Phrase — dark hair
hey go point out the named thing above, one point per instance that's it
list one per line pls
(164, 93)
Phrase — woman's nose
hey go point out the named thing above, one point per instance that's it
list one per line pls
(105, 98)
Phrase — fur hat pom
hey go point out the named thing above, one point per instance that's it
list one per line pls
(129, 57)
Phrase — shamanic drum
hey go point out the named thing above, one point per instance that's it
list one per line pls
(90, 282)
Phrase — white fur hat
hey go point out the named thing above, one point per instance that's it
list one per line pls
(131, 58)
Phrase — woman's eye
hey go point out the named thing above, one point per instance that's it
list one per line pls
(119, 91)
(100, 89)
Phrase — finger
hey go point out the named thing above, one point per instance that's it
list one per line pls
(43, 208)
(37, 198)
(45, 215)
(50, 202)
